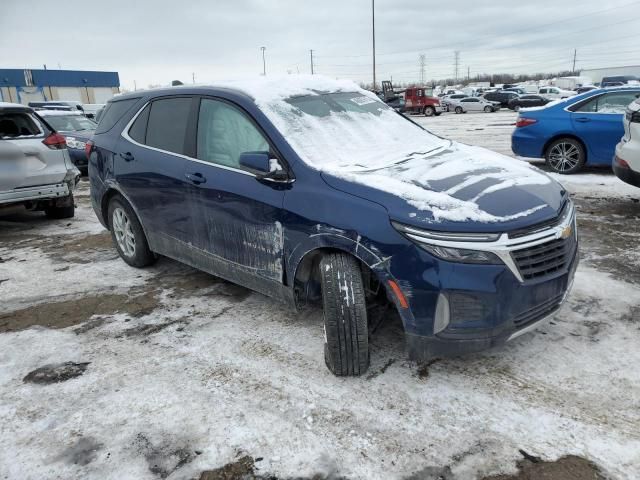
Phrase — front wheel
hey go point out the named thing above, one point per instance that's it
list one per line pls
(565, 155)
(429, 111)
(488, 109)
(346, 336)
(128, 235)
(458, 110)
(516, 108)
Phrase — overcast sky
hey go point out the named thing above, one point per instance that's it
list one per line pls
(154, 42)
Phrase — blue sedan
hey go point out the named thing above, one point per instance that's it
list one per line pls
(578, 131)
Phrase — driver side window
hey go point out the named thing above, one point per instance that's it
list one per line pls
(224, 133)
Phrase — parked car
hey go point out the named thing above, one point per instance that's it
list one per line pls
(77, 130)
(518, 90)
(417, 101)
(626, 163)
(35, 169)
(618, 80)
(57, 105)
(447, 100)
(582, 130)
(90, 109)
(585, 88)
(473, 104)
(554, 93)
(313, 191)
(502, 97)
(527, 101)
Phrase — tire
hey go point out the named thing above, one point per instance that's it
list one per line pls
(516, 108)
(438, 114)
(488, 109)
(58, 213)
(565, 155)
(128, 235)
(346, 346)
(429, 111)
(458, 110)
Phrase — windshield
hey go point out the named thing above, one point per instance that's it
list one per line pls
(349, 131)
(70, 123)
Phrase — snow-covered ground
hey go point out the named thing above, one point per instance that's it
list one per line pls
(187, 373)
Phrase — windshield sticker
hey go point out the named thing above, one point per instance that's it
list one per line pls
(362, 100)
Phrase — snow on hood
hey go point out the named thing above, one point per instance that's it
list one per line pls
(382, 149)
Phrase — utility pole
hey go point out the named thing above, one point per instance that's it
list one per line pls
(311, 52)
(468, 73)
(456, 65)
(373, 31)
(135, 86)
(575, 52)
(193, 77)
(423, 63)
(264, 63)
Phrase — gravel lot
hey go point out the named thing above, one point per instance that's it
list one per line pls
(107, 372)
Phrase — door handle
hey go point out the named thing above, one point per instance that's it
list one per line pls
(583, 120)
(196, 178)
(127, 156)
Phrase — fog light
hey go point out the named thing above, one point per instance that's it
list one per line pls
(441, 319)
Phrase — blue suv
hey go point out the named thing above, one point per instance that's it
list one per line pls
(313, 191)
(574, 132)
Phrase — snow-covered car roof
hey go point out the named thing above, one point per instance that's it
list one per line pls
(57, 113)
(13, 105)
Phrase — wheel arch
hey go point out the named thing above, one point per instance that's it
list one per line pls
(305, 268)
(111, 192)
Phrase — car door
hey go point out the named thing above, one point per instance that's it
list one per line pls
(472, 104)
(237, 217)
(149, 169)
(598, 122)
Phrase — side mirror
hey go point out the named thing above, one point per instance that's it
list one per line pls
(258, 161)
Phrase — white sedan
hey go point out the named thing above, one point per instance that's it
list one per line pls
(473, 104)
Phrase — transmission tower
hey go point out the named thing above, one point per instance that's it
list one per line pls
(423, 64)
(456, 64)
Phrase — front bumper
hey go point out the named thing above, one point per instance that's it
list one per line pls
(461, 341)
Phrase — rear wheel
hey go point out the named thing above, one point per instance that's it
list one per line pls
(565, 155)
(346, 336)
(429, 111)
(127, 234)
(66, 211)
(458, 110)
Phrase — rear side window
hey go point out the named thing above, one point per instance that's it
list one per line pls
(615, 102)
(138, 130)
(15, 125)
(167, 124)
(114, 112)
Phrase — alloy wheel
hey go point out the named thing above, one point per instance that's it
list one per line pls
(564, 156)
(124, 233)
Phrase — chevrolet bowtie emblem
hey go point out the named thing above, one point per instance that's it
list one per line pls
(566, 232)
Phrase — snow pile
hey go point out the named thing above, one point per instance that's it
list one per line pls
(382, 149)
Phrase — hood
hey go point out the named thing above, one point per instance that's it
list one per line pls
(457, 188)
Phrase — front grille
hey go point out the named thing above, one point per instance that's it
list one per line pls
(545, 259)
(539, 311)
(540, 226)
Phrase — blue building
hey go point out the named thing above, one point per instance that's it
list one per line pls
(24, 86)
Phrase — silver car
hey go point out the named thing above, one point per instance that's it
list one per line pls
(474, 104)
(35, 169)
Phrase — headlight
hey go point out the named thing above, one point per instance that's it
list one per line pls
(76, 144)
(433, 242)
(462, 255)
